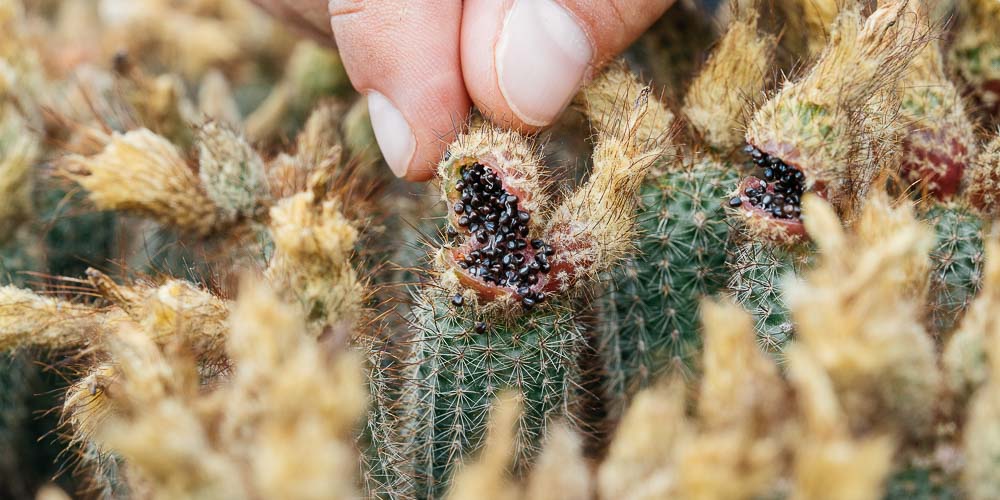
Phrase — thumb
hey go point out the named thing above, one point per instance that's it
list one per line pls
(524, 60)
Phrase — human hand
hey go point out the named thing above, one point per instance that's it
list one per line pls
(421, 63)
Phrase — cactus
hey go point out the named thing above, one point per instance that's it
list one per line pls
(957, 260)
(939, 139)
(649, 323)
(757, 275)
(500, 312)
(461, 360)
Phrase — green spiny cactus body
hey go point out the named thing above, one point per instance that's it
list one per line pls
(957, 265)
(757, 270)
(455, 373)
(922, 483)
(650, 324)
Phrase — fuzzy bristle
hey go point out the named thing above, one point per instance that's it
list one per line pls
(593, 228)
(31, 320)
(732, 78)
(142, 172)
(314, 242)
(231, 171)
(834, 124)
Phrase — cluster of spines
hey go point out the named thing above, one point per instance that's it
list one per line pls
(460, 361)
(957, 264)
(650, 322)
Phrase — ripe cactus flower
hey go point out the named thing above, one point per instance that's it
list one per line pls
(509, 244)
(833, 124)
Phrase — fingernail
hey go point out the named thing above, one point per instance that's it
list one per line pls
(393, 134)
(541, 57)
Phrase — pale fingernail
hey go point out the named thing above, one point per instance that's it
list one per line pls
(541, 58)
(392, 132)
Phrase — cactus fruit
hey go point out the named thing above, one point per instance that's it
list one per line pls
(832, 124)
(649, 323)
(939, 139)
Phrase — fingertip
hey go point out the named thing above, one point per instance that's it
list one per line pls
(411, 76)
(524, 60)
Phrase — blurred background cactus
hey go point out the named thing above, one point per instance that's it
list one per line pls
(755, 259)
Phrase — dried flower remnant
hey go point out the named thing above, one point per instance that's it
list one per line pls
(142, 172)
(732, 78)
(31, 320)
(593, 229)
(170, 311)
(280, 427)
(19, 149)
(314, 242)
(641, 459)
(833, 125)
(857, 313)
(738, 449)
(981, 435)
(829, 462)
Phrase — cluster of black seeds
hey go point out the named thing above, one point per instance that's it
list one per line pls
(785, 200)
(492, 217)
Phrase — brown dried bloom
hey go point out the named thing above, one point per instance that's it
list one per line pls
(280, 427)
(143, 172)
(829, 463)
(732, 78)
(857, 315)
(30, 320)
(314, 243)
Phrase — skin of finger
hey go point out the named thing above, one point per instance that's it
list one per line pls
(408, 51)
(307, 16)
(611, 25)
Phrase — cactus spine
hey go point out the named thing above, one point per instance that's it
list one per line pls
(957, 264)
(651, 323)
